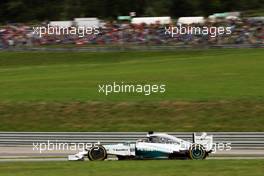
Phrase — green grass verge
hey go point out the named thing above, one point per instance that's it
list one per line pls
(191, 76)
(206, 90)
(146, 168)
(137, 116)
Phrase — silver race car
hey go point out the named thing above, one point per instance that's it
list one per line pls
(154, 146)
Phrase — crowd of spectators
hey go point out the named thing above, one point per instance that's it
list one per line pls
(125, 33)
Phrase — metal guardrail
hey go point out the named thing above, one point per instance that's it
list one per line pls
(134, 47)
(238, 140)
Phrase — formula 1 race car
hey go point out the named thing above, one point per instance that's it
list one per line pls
(154, 146)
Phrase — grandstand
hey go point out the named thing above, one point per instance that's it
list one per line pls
(139, 31)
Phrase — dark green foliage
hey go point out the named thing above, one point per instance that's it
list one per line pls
(39, 10)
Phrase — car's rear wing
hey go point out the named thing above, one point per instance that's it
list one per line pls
(203, 139)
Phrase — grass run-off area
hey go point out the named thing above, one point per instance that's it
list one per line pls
(132, 168)
(206, 90)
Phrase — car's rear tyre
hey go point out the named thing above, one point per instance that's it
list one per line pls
(97, 153)
(197, 152)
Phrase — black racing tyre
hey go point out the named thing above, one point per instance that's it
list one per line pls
(197, 152)
(97, 153)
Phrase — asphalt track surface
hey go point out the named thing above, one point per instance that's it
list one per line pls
(110, 159)
(19, 146)
(26, 153)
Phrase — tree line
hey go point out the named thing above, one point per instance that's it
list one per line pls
(40, 10)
